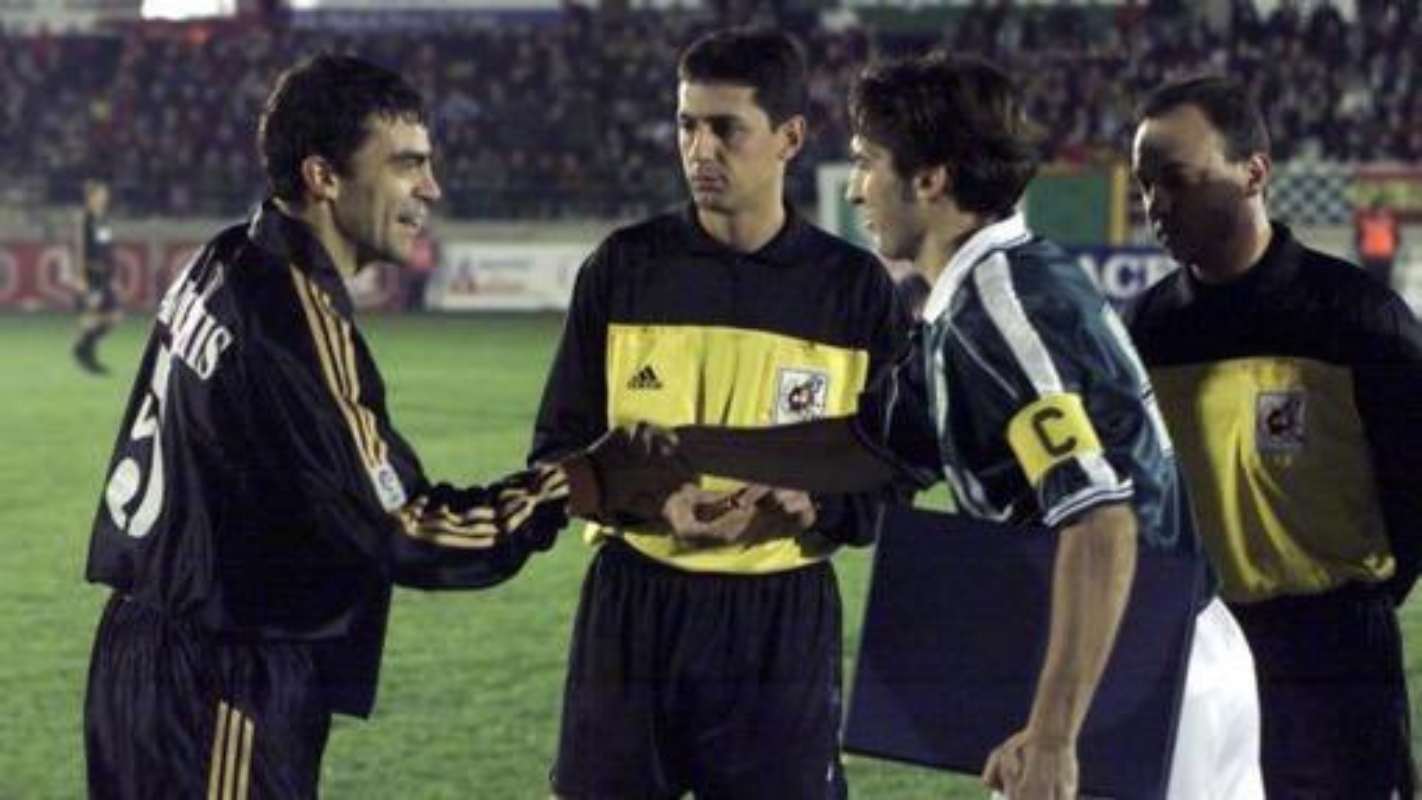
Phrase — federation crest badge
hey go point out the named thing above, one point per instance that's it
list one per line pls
(1279, 421)
(800, 395)
(387, 486)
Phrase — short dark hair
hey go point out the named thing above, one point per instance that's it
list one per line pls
(961, 113)
(1224, 102)
(322, 106)
(769, 61)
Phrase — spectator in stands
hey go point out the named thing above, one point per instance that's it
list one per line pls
(159, 98)
(261, 504)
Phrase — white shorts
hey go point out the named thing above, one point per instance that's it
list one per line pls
(1217, 741)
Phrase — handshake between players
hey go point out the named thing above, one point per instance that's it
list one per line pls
(647, 475)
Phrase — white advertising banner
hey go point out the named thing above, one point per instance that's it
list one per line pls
(504, 276)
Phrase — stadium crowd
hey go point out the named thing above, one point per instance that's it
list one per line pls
(570, 116)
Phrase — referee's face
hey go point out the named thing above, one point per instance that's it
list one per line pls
(733, 158)
(1194, 196)
(385, 196)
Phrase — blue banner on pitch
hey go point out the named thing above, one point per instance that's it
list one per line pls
(955, 633)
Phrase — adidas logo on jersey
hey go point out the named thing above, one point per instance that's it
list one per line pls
(646, 378)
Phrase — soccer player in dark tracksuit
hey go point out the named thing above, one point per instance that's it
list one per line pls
(259, 504)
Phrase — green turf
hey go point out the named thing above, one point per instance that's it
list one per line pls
(471, 683)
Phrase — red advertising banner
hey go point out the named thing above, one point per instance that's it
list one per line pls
(36, 276)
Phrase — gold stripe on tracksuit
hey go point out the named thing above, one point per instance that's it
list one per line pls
(230, 765)
(551, 483)
(345, 345)
(332, 339)
(476, 528)
(480, 526)
(346, 385)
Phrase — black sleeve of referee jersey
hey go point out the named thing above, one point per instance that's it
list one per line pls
(573, 412)
(853, 519)
(1387, 393)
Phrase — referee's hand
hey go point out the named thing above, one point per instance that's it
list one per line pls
(626, 475)
(747, 515)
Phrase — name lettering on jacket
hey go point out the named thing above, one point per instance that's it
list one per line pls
(198, 339)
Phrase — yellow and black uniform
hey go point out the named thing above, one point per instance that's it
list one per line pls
(1291, 394)
(712, 668)
(259, 505)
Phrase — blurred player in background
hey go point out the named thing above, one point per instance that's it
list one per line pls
(1377, 236)
(700, 665)
(1291, 381)
(1023, 391)
(259, 503)
(98, 307)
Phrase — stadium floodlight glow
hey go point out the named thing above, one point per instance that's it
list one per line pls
(187, 9)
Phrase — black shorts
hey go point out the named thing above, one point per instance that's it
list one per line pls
(98, 299)
(1332, 694)
(173, 712)
(727, 686)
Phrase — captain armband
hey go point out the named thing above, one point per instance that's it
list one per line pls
(1051, 430)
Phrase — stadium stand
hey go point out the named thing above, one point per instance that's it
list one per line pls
(568, 114)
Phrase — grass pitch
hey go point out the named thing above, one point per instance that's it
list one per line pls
(472, 681)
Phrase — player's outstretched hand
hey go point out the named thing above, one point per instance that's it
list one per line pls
(747, 515)
(626, 475)
(1024, 768)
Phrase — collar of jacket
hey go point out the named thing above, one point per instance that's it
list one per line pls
(290, 241)
(784, 248)
(1004, 233)
(1273, 271)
